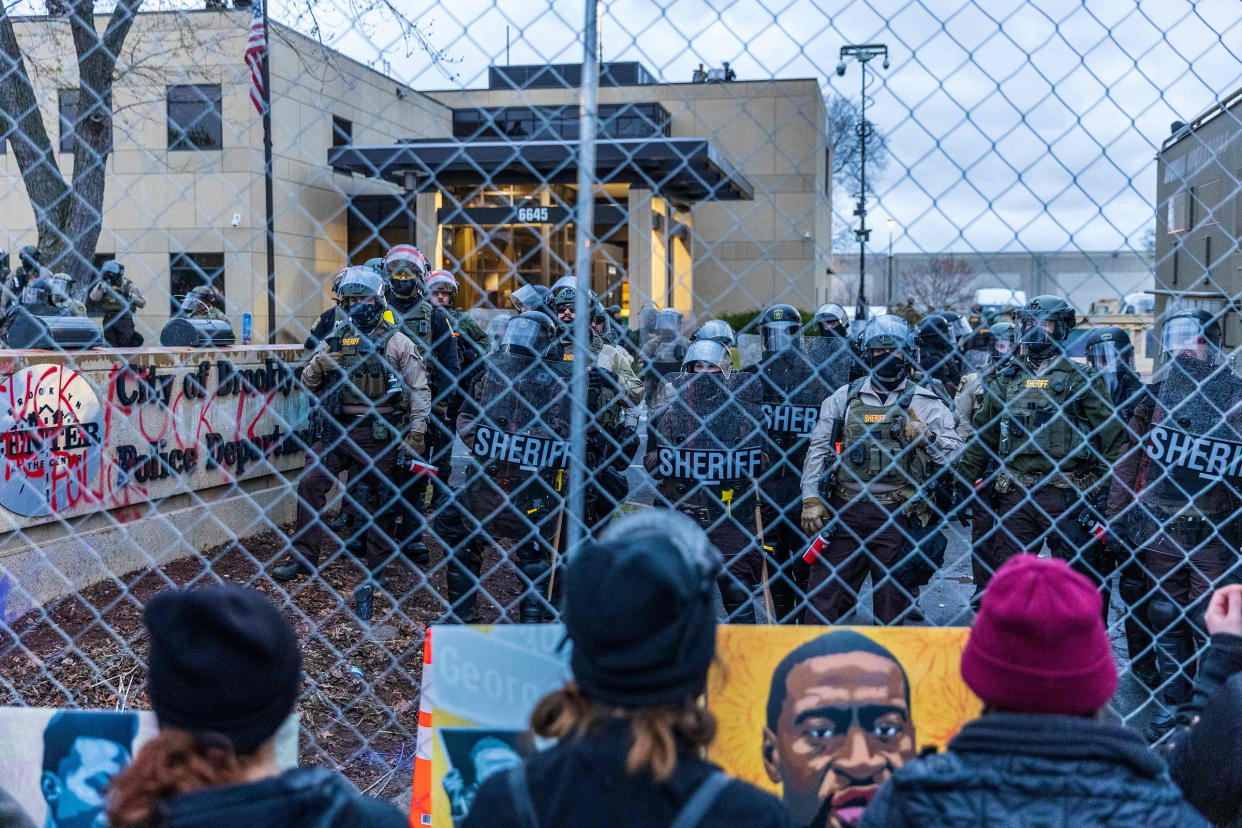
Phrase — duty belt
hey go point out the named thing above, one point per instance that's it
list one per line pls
(1006, 480)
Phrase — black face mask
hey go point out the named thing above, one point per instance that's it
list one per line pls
(1038, 343)
(365, 316)
(887, 369)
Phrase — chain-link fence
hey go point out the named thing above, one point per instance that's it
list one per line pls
(520, 222)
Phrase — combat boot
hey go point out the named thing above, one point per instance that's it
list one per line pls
(534, 565)
(738, 603)
(463, 578)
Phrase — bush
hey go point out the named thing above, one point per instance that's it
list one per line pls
(746, 321)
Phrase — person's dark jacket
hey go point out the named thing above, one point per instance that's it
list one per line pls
(1206, 754)
(323, 326)
(1025, 769)
(583, 781)
(299, 798)
(11, 814)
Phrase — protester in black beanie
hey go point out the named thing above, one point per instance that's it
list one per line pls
(224, 673)
(640, 613)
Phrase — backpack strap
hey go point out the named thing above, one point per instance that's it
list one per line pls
(519, 792)
(701, 800)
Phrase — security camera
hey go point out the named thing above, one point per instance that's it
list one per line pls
(885, 64)
(841, 69)
(237, 219)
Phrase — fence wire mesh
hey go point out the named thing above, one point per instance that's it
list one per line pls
(533, 333)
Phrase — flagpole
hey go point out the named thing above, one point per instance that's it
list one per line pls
(267, 181)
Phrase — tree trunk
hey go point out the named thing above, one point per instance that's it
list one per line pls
(69, 217)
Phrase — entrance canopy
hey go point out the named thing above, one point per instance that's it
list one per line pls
(685, 170)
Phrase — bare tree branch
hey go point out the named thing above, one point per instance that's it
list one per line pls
(942, 282)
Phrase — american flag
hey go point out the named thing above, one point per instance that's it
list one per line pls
(256, 49)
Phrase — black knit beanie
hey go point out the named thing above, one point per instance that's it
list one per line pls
(223, 659)
(640, 610)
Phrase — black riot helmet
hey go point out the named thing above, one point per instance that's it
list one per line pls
(1004, 339)
(532, 334)
(831, 320)
(887, 346)
(1193, 334)
(113, 271)
(29, 256)
(1109, 351)
(959, 328)
(40, 295)
(1044, 324)
(529, 298)
(935, 335)
(780, 328)
(717, 330)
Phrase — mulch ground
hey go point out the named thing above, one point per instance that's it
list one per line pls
(88, 650)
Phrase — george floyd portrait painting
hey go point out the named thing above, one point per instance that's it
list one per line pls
(823, 719)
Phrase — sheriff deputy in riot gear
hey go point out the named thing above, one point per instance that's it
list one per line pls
(521, 410)
(937, 346)
(373, 386)
(117, 297)
(665, 351)
(612, 439)
(427, 325)
(1049, 424)
(705, 413)
(27, 270)
(893, 433)
(969, 399)
(203, 302)
(472, 344)
(794, 385)
(1176, 493)
(1109, 351)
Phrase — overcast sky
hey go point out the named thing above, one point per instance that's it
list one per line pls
(1012, 126)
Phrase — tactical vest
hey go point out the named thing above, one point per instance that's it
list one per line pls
(369, 379)
(416, 324)
(1038, 416)
(112, 301)
(873, 452)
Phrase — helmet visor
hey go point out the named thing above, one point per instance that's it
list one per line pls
(1004, 347)
(959, 328)
(527, 335)
(1104, 356)
(524, 298)
(1183, 335)
(886, 331)
(668, 320)
(709, 351)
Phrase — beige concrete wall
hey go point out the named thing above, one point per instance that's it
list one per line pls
(745, 253)
(160, 202)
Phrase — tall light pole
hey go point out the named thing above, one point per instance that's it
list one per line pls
(864, 53)
(888, 282)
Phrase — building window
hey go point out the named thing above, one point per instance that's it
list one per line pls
(187, 271)
(1179, 212)
(195, 117)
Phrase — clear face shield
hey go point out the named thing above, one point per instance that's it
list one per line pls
(1184, 336)
(893, 329)
(782, 336)
(524, 298)
(526, 336)
(668, 324)
(1105, 358)
(959, 329)
(1002, 348)
(705, 354)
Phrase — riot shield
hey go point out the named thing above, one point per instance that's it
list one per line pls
(708, 441)
(519, 448)
(831, 355)
(1193, 451)
(794, 388)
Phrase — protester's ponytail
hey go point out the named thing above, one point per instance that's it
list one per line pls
(658, 731)
(173, 762)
